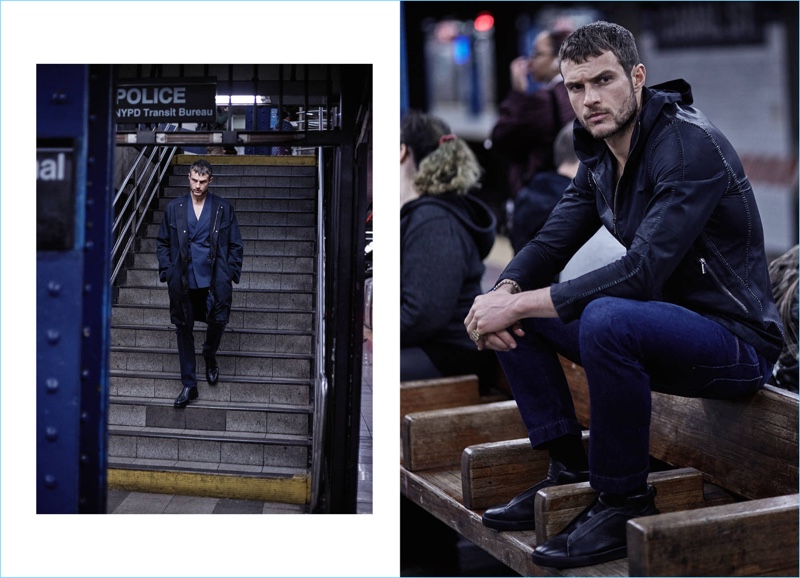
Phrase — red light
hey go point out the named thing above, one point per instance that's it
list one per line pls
(484, 22)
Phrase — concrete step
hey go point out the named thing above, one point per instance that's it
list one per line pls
(261, 281)
(254, 340)
(263, 232)
(269, 205)
(239, 363)
(211, 416)
(285, 484)
(244, 299)
(186, 445)
(266, 273)
(252, 263)
(223, 183)
(228, 470)
(263, 218)
(165, 386)
(242, 166)
(284, 315)
(264, 281)
(254, 248)
(227, 171)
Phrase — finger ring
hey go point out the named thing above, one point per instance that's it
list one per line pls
(475, 335)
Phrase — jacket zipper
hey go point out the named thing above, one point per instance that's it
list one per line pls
(610, 208)
(213, 232)
(704, 268)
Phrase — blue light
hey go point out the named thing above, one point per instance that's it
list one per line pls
(461, 49)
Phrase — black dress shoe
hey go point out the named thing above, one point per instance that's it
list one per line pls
(187, 394)
(597, 535)
(212, 370)
(518, 513)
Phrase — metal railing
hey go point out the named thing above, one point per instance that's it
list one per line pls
(321, 380)
(135, 196)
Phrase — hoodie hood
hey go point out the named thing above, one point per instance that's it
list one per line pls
(470, 211)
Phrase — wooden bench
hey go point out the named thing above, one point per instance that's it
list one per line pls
(727, 491)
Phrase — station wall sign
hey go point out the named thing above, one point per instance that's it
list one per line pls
(165, 100)
(700, 24)
(55, 197)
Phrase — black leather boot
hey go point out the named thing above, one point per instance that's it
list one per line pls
(518, 513)
(212, 370)
(187, 393)
(597, 535)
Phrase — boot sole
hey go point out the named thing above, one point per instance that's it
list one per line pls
(561, 562)
(508, 526)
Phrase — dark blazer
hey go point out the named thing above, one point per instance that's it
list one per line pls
(173, 251)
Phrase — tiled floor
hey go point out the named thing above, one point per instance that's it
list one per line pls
(122, 502)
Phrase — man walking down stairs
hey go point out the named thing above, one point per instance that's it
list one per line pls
(249, 436)
(199, 258)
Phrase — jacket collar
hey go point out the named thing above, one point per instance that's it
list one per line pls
(592, 152)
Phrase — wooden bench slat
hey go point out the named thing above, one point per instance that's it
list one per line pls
(432, 439)
(446, 392)
(495, 472)
(746, 446)
(460, 460)
(752, 538)
(718, 436)
(432, 490)
(676, 490)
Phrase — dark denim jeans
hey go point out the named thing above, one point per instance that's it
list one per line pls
(185, 333)
(627, 348)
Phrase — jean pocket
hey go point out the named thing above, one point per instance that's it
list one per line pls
(726, 382)
(728, 379)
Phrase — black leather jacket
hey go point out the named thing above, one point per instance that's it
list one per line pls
(685, 211)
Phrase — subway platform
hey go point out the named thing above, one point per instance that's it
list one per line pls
(124, 502)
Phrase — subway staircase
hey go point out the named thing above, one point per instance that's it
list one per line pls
(249, 437)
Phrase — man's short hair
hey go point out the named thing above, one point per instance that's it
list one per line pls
(202, 167)
(598, 37)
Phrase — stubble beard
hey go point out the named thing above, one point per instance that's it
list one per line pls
(622, 120)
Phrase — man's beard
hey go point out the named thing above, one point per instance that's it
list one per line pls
(622, 120)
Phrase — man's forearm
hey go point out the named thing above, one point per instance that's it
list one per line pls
(535, 303)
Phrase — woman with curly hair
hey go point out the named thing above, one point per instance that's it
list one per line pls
(445, 235)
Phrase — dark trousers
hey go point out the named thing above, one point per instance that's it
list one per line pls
(198, 311)
(626, 348)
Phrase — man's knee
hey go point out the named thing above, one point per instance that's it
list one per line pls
(608, 320)
(601, 314)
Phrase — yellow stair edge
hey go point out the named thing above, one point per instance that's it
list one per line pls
(290, 490)
(254, 160)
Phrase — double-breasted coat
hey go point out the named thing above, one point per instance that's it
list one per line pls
(174, 254)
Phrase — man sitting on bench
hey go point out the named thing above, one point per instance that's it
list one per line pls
(688, 310)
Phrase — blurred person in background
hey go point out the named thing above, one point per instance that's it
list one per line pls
(445, 234)
(533, 112)
(536, 200)
(285, 125)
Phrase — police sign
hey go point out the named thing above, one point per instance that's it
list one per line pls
(165, 101)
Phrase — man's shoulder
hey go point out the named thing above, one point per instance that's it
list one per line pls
(179, 200)
(221, 200)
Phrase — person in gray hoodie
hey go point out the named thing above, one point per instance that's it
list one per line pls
(445, 233)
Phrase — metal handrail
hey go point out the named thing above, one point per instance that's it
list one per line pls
(134, 197)
(321, 380)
